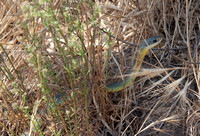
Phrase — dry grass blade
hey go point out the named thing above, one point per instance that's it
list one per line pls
(181, 96)
(154, 106)
(157, 83)
(168, 119)
(169, 89)
(149, 72)
(33, 120)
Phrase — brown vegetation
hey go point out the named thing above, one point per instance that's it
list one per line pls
(59, 48)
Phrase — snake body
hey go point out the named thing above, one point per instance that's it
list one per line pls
(144, 48)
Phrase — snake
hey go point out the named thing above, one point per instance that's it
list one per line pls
(144, 48)
(113, 87)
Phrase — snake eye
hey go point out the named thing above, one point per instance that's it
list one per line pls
(155, 40)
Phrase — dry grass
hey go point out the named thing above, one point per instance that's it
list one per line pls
(46, 53)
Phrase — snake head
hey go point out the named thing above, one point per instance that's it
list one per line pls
(151, 42)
